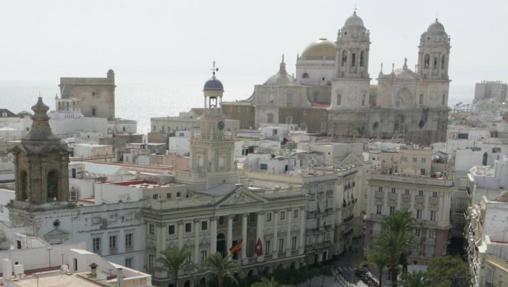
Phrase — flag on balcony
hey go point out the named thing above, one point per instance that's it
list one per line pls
(259, 247)
(236, 248)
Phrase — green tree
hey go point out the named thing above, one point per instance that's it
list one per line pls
(265, 282)
(172, 260)
(222, 268)
(448, 271)
(379, 258)
(396, 241)
(415, 279)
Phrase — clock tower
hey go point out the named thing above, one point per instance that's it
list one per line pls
(212, 149)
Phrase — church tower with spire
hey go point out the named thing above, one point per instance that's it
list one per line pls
(212, 150)
(41, 161)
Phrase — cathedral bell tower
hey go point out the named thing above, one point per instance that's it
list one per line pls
(212, 150)
(434, 53)
(41, 160)
(350, 89)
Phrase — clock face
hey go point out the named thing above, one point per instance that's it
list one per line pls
(220, 125)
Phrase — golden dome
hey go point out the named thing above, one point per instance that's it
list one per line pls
(320, 50)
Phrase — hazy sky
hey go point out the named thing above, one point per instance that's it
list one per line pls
(173, 42)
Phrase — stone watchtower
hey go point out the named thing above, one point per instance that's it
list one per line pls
(41, 161)
(350, 90)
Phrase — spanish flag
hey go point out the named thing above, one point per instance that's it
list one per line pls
(236, 248)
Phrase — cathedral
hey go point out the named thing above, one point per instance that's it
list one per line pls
(332, 94)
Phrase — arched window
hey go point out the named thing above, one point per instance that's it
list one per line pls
(443, 61)
(434, 66)
(426, 61)
(361, 58)
(344, 57)
(94, 112)
(305, 75)
(420, 101)
(24, 185)
(353, 59)
(339, 99)
(52, 185)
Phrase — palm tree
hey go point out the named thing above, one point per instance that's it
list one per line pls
(415, 279)
(396, 240)
(265, 282)
(172, 260)
(378, 257)
(222, 267)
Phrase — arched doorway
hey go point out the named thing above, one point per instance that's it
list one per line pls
(52, 185)
(24, 185)
(221, 244)
(187, 284)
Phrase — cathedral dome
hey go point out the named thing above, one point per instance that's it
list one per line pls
(281, 78)
(320, 50)
(213, 85)
(436, 28)
(354, 21)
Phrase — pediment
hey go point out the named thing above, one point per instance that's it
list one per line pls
(56, 236)
(241, 195)
(351, 159)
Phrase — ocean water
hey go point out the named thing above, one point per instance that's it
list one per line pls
(141, 101)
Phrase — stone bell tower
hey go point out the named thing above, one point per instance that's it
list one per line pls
(212, 150)
(41, 161)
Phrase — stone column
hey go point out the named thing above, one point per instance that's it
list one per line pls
(196, 241)
(275, 251)
(260, 234)
(288, 238)
(180, 234)
(301, 247)
(213, 235)
(244, 238)
(229, 239)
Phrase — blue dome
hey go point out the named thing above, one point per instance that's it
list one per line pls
(213, 85)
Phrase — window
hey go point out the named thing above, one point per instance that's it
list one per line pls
(151, 261)
(379, 209)
(463, 136)
(361, 58)
(128, 241)
(267, 247)
(128, 262)
(263, 166)
(422, 171)
(151, 228)
(431, 234)
(168, 195)
(339, 99)
(178, 194)
(295, 212)
(188, 227)
(96, 245)
(353, 60)
(344, 58)
(393, 190)
(417, 232)
(155, 196)
(380, 189)
(204, 254)
(392, 210)
(268, 216)
(204, 225)
(432, 215)
(281, 244)
(420, 192)
(282, 215)
(418, 214)
(434, 194)
(18, 244)
(305, 75)
(406, 191)
(270, 118)
(426, 62)
(434, 64)
(112, 242)
(415, 159)
(293, 243)
(73, 173)
(171, 230)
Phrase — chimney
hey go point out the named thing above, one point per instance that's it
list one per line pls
(93, 269)
(119, 277)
